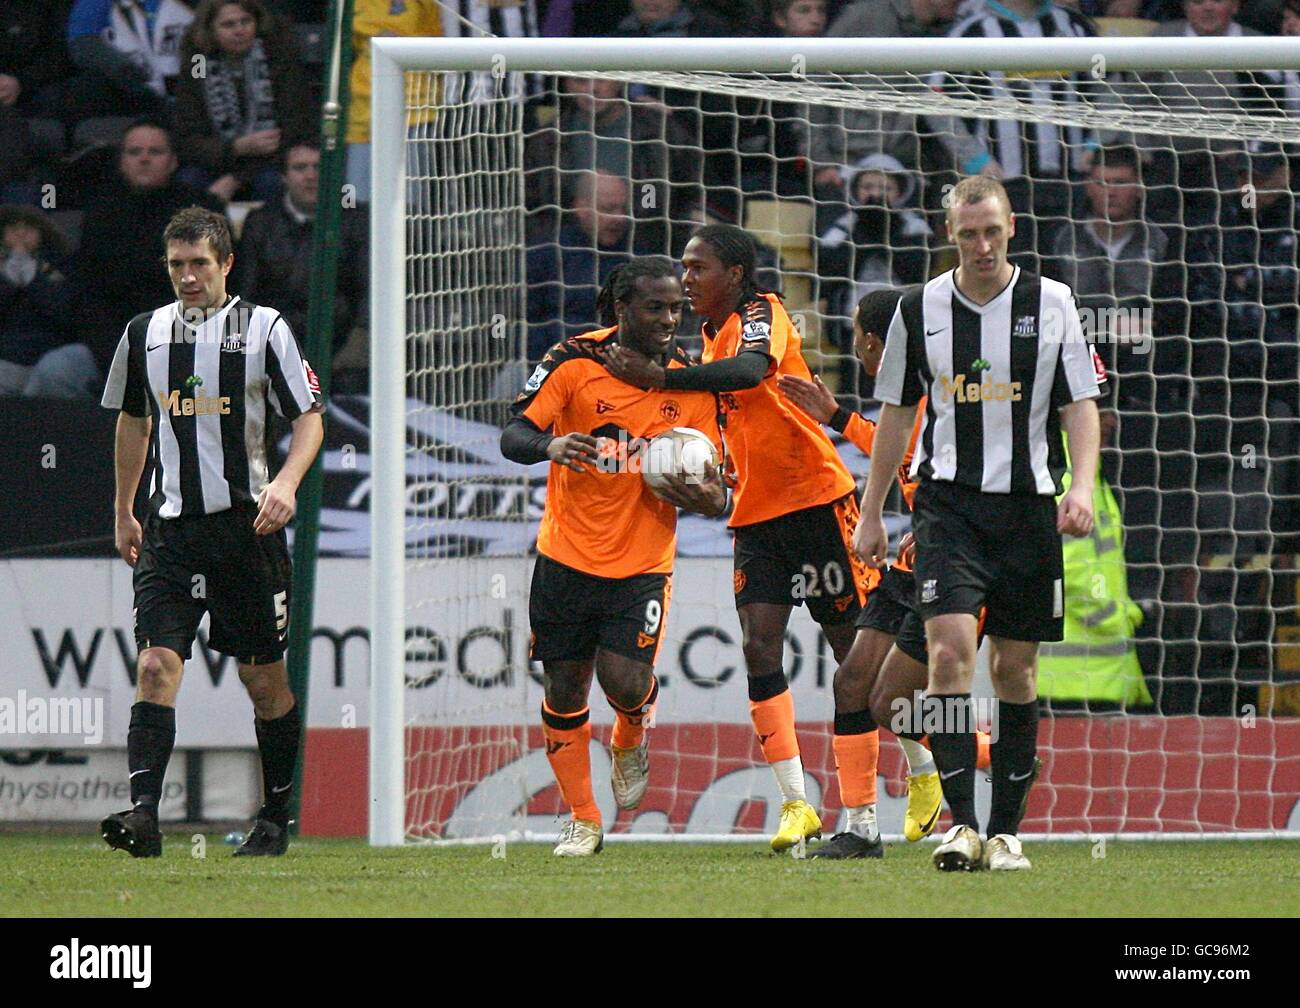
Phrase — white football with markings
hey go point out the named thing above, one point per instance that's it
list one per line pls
(682, 451)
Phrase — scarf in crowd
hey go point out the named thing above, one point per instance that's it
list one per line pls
(238, 93)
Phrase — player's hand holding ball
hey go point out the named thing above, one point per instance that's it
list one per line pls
(680, 466)
(572, 450)
(276, 505)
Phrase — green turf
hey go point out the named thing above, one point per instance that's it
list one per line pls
(78, 876)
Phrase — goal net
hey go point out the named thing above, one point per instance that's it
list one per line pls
(1153, 175)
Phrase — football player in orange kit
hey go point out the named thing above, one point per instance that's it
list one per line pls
(794, 504)
(603, 577)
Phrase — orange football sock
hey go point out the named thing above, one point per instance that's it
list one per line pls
(856, 760)
(568, 738)
(982, 758)
(774, 725)
(630, 724)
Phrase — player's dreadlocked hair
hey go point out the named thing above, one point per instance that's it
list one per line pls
(735, 247)
(621, 283)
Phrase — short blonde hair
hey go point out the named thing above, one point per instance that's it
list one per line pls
(976, 189)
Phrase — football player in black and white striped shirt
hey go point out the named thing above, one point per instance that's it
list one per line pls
(192, 382)
(1001, 355)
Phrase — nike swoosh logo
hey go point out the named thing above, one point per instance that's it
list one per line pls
(281, 790)
(156, 346)
(951, 773)
(934, 332)
(1023, 776)
(929, 823)
(134, 772)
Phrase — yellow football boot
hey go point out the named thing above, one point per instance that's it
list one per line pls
(924, 803)
(799, 822)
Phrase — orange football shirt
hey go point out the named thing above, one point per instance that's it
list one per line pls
(862, 432)
(784, 460)
(604, 520)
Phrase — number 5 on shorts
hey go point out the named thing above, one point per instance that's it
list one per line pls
(281, 610)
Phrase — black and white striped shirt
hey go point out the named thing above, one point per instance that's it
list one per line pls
(481, 19)
(1037, 149)
(207, 388)
(996, 374)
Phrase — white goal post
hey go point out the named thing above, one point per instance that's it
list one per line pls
(779, 69)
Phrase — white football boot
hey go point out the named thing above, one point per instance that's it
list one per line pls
(629, 773)
(960, 850)
(580, 838)
(1003, 853)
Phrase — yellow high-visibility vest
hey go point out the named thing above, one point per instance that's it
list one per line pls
(1096, 660)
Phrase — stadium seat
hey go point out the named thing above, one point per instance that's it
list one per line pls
(785, 225)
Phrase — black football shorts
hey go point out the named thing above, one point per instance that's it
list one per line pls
(572, 613)
(889, 602)
(217, 564)
(804, 557)
(998, 551)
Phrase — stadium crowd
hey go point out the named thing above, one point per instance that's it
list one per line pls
(116, 113)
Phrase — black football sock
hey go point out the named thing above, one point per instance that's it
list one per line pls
(951, 726)
(1012, 763)
(149, 741)
(277, 740)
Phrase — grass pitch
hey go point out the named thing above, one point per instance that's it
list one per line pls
(77, 876)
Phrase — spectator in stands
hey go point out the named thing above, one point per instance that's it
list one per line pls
(1037, 161)
(273, 265)
(597, 128)
(895, 19)
(1291, 19)
(1260, 283)
(882, 240)
(33, 57)
(1203, 168)
(118, 271)
(33, 309)
(372, 18)
(711, 121)
(565, 276)
(1109, 257)
(799, 18)
(250, 102)
(671, 19)
(133, 46)
(840, 137)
